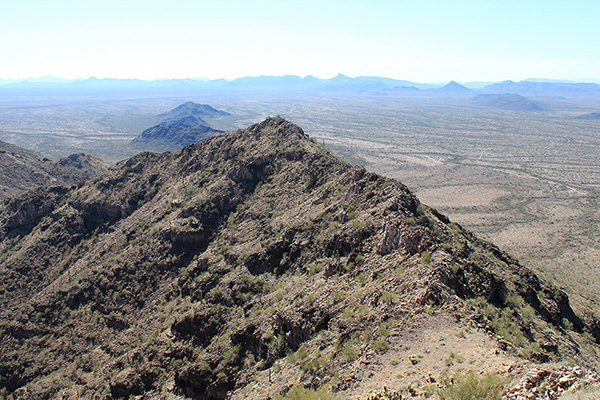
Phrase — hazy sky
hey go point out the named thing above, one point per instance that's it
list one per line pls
(418, 40)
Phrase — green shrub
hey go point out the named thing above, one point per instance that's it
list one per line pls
(383, 331)
(338, 296)
(453, 358)
(347, 313)
(314, 363)
(388, 297)
(299, 355)
(426, 259)
(454, 228)
(362, 277)
(514, 301)
(380, 345)
(350, 352)
(301, 393)
(530, 351)
(358, 224)
(472, 387)
(567, 324)
(314, 268)
(410, 221)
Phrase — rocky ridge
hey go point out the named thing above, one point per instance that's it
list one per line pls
(253, 254)
(22, 169)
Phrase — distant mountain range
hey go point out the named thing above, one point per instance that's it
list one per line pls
(291, 84)
(530, 88)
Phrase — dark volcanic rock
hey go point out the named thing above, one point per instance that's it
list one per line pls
(169, 137)
(183, 125)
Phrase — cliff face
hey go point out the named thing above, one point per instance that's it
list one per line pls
(195, 273)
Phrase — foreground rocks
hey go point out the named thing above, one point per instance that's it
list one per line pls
(550, 383)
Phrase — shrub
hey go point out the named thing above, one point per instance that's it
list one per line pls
(301, 393)
(350, 352)
(338, 296)
(454, 228)
(453, 358)
(362, 277)
(471, 387)
(388, 297)
(383, 331)
(312, 364)
(299, 355)
(314, 268)
(567, 324)
(426, 259)
(530, 351)
(380, 345)
(514, 301)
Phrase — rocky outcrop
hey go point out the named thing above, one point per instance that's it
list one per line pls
(550, 383)
(399, 235)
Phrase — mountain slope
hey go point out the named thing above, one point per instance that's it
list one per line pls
(181, 126)
(592, 116)
(201, 272)
(22, 169)
(507, 101)
(172, 137)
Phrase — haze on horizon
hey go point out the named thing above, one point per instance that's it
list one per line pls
(429, 41)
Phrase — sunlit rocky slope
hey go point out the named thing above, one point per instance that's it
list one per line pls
(248, 264)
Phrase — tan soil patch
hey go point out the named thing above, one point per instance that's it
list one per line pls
(460, 196)
(429, 341)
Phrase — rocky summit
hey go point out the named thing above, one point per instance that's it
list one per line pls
(256, 264)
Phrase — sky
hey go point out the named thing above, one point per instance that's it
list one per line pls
(422, 41)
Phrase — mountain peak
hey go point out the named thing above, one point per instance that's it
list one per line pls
(181, 126)
(452, 89)
(277, 126)
(196, 271)
(340, 76)
(195, 109)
